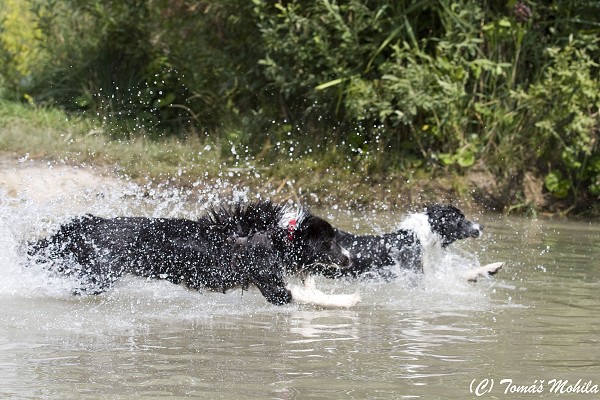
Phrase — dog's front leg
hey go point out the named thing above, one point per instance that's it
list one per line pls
(275, 294)
(483, 271)
(309, 294)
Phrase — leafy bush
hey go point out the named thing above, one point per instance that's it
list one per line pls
(562, 109)
(381, 86)
(144, 67)
(18, 50)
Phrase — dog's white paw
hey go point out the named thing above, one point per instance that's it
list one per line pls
(310, 295)
(486, 270)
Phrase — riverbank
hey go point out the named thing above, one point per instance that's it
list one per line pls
(58, 178)
(50, 179)
(48, 144)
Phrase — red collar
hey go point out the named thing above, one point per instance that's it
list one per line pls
(291, 229)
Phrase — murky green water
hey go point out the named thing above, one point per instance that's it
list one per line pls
(538, 320)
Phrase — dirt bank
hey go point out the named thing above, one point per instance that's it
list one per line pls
(78, 186)
(50, 182)
(45, 183)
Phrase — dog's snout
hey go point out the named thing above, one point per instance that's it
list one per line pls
(344, 259)
(476, 230)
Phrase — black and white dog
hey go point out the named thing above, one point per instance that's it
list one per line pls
(259, 244)
(417, 245)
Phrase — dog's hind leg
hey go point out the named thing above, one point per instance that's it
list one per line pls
(93, 285)
(97, 277)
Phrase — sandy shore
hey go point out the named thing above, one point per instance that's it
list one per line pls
(55, 189)
(43, 182)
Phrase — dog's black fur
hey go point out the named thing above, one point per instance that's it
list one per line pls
(373, 255)
(229, 247)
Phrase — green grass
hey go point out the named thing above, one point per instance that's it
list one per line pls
(46, 133)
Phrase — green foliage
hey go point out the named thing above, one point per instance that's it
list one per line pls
(142, 67)
(18, 50)
(557, 184)
(382, 86)
(562, 108)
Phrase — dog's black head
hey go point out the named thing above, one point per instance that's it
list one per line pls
(313, 241)
(450, 223)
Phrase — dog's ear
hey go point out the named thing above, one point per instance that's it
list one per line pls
(440, 211)
(316, 228)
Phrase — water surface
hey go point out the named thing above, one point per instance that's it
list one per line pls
(439, 338)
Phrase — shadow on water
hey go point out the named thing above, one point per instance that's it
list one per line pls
(416, 337)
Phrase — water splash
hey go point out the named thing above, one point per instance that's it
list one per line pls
(38, 199)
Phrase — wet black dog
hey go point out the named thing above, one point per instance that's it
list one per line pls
(417, 245)
(258, 244)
